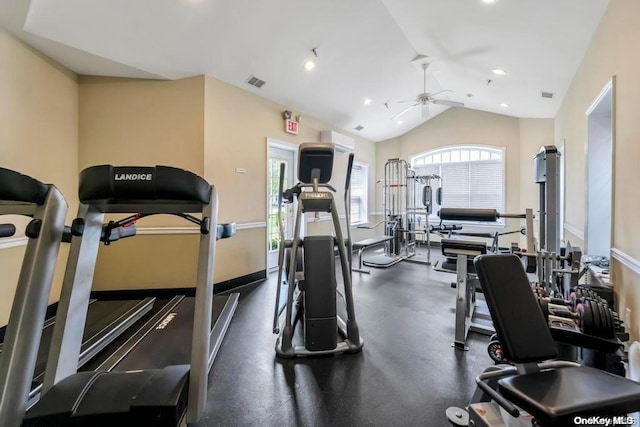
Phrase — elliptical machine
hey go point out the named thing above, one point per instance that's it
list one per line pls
(311, 277)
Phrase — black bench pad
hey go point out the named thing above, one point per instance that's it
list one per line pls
(463, 245)
(15, 187)
(371, 241)
(107, 184)
(556, 396)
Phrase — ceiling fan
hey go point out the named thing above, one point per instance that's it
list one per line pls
(425, 98)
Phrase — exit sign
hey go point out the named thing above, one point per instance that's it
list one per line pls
(291, 126)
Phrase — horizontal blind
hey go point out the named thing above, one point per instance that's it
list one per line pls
(455, 185)
(486, 185)
(472, 177)
(356, 192)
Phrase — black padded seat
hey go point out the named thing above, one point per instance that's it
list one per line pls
(553, 396)
(159, 185)
(15, 187)
(471, 247)
(372, 241)
(556, 396)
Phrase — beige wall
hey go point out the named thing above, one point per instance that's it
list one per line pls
(202, 125)
(38, 137)
(143, 123)
(613, 51)
(237, 125)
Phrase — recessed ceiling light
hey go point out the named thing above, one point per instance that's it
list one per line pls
(367, 101)
(488, 1)
(309, 65)
(499, 71)
(504, 105)
(399, 122)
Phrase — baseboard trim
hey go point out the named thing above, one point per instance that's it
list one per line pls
(224, 286)
(626, 260)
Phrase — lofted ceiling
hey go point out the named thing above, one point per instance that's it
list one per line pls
(365, 49)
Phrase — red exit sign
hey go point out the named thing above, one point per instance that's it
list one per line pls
(291, 126)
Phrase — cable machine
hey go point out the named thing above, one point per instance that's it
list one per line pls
(420, 206)
(407, 198)
(395, 202)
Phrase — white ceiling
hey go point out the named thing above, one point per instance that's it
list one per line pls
(365, 49)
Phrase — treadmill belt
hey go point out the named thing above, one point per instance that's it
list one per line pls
(100, 317)
(169, 342)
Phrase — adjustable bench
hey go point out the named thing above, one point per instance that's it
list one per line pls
(471, 313)
(552, 392)
(367, 243)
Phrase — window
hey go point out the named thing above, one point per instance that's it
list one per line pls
(359, 179)
(472, 176)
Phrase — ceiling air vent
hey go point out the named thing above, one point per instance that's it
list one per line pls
(546, 95)
(359, 127)
(254, 81)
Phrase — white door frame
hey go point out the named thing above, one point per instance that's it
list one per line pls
(288, 146)
(609, 87)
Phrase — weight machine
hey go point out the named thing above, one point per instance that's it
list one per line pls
(408, 198)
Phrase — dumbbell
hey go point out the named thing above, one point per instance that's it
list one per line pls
(592, 317)
(494, 348)
(597, 319)
(583, 292)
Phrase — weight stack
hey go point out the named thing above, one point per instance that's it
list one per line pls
(320, 315)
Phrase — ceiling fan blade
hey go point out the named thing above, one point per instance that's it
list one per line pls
(449, 103)
(425, 110)
(404, 111)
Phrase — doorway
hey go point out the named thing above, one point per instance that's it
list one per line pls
(278, 153)
(599, 166)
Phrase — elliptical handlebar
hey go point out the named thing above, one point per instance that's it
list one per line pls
(347, 209)
(276, 314)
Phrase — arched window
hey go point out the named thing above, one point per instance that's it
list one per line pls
(472, 176)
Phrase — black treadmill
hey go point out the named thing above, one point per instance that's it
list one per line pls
(157, 377)
(148, 347)
(106, 321)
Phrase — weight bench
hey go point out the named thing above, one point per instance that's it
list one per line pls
(367, 243)
(471, 312)
(554, 392)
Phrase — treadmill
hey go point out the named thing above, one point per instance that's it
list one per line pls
(106, 320)
(23, 195)
(157, 377)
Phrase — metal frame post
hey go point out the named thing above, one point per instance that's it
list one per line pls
(202, 313)
(74, 299)
(24, 331)
(463, 312)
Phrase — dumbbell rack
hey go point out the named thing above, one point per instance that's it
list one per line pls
(585, 321)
